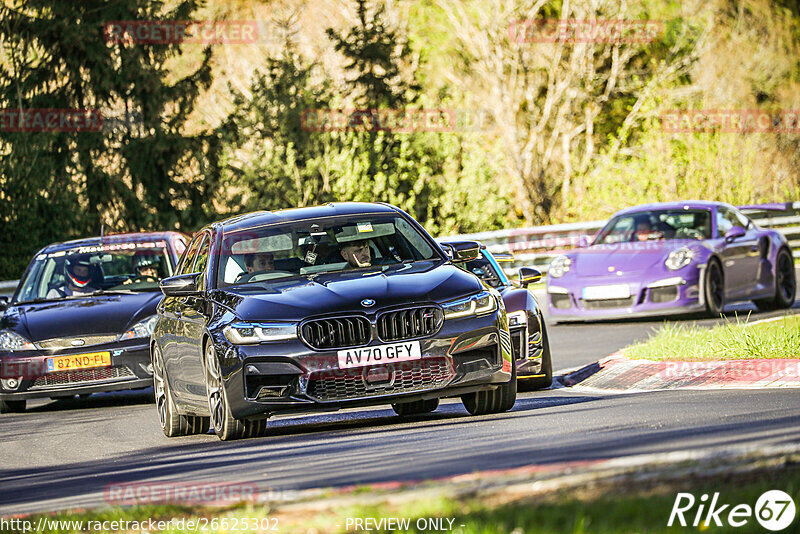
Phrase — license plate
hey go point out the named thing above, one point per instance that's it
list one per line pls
(615, 291)
(78, 361)
(378, 354)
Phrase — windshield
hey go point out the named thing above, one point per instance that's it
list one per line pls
(657, 225)
(316, 246)
(94, 269)
(483, 269)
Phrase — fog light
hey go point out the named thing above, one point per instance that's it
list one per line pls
(11, 383)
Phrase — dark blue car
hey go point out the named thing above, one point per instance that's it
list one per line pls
(81, 318)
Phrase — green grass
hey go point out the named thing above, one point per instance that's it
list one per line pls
(732, 341)
(623, 508)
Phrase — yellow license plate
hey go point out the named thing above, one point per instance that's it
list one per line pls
(79, 361)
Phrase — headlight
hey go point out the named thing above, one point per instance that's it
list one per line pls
(679, 258)
(11, 341)
(480, 304)
(517, 318)
(252, 333)
(141, 329)
(559, 266)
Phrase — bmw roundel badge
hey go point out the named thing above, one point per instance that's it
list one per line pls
(367, 303)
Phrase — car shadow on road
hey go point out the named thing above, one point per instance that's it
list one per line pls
(98, 400)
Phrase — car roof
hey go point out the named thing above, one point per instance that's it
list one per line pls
(112, 238)
(679, 205)
(332, 209)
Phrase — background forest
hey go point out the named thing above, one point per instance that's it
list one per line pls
(546, 132)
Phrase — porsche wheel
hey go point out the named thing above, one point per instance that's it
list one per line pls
(785, 284)
(714, 289)
(224, 424)
(173, 424)
(416, 407)
(496, 400)
(12, 406)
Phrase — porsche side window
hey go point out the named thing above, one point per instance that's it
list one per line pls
(724, 221)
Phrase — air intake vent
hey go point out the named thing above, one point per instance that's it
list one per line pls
(323, 334)
(410, 323)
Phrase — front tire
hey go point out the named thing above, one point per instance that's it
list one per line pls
(785, 284)
(224, 424)
(714, 289)
(173, 424)
(496, 400)
(404, 409)
(12, 406)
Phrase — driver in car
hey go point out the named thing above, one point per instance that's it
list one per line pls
(78, 279)
(146, 269)
(357, 253)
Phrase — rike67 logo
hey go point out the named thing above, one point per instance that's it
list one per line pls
(774, 510)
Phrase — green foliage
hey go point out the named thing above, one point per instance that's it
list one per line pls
(271, 160)
(142, 172)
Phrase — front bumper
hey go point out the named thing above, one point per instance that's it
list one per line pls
(466, 355)
(130, 369)
(681, 295)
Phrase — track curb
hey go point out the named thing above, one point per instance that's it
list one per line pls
(620, 374)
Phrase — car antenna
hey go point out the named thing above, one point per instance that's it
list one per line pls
(102, 228)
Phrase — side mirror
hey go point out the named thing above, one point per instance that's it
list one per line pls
(734, 233)
(463, 250)
(4, 303)
(584, 241)
(183, 285)
(528, 275)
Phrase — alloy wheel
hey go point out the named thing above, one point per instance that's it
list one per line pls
(159, 386)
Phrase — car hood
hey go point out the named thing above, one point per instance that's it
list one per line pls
(343, 292)
(102, 314)
(625, 258)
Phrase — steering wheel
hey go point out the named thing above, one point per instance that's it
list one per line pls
(142, 278)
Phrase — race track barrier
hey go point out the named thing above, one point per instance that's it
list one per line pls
(536, 246)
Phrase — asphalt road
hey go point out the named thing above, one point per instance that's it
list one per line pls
(64, 453)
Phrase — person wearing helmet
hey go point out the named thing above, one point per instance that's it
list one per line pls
(78, 278)
(146, 269)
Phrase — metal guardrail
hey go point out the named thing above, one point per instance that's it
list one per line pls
(536, 246)
(7, 288)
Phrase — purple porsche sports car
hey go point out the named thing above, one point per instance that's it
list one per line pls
(672, 258)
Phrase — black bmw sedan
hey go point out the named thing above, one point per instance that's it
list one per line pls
(317, 309)
(81, 317)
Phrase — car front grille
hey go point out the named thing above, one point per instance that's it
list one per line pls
(410, 323)
(76, 341)
(420, 375)
(608, 303)
(83, 376)
(334, 333)
(560, 301)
